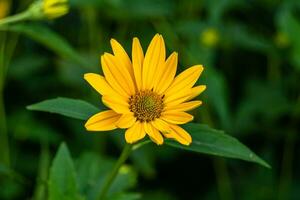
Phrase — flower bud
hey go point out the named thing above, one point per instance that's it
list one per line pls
(49, 9)
(209, 37)
(4, 8)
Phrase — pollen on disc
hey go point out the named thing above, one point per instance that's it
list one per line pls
(146, 105)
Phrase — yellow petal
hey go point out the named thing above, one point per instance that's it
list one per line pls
(103, 121)
(99, 83)
(137, 62)
(158, 70)
(53, 3)
(176, 117)
(179, 134)
(180, 99)
(184, 96)
(126, 121)
(167, 74)
(53, 12)
(196, 91)
(111, 79)
(135, 133)
(117, 105)
(183, 82)
(154, 59)
(116, 75)
(121, 55)
(161, 125)
(153, 133)
(184, 106)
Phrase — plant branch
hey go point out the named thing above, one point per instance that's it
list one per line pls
(15, 18)
(111, 177)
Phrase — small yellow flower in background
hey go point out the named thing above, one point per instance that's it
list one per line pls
(210, 37)
(38, 10)
(4, 8)
(49, 9)
(281, 40)
(143, 95)
(55, 8)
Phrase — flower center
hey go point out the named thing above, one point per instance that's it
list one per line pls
(146, 105)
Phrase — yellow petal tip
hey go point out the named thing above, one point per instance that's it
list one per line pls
(188, 143)
(200, 68)
(87, 75)
(112, 40)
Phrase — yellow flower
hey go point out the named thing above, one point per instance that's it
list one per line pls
(4, 8)
(210, 37)
(143, 95)
(281, 40)
(55, 8)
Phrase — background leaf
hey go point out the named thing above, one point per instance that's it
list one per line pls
(92, 170)
(62, 180)
(48, 38)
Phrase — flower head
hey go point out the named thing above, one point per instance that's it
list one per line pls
(49, 9)
(55, 8)
(281, 40)
(4, 8)
(210, 37)
(143, 95)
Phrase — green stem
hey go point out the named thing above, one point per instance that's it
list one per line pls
(286, 176)
(4, 149)
(223, 179)
(15, 18)
(286, 168)
(111, 177)
(273, 67)
(40, 192)
(140, 144)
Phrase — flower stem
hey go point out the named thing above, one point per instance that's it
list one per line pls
(111, 177)
(4, 149)
(15, 18)
(43, 170)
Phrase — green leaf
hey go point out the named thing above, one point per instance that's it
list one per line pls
(216, 142)
(48, 38)
(74, 108)
(205, 139)
(62, 181)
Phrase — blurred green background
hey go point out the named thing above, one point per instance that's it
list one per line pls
(251, 53)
